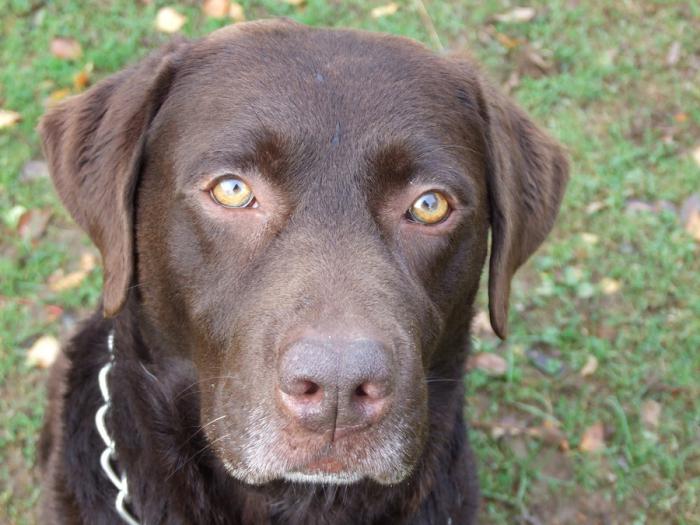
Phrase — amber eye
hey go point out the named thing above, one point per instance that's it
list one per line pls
(430, 208)
(232, 192)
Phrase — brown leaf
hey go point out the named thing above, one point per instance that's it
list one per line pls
(9, 118)
(168, 20)
(60, 282)
(236, 12)
(507, 42)
(517, 15)
(81, 79)
(384, 10)
(216, 8)
(593, 439)
(590, 367)
(696, 155)
(609, 286)
(295, 3)
(491, 364)
(66, 48)
(57, 96)
(43, 352)
(32, 224)
(674, 54)
(550, 433)
(650, 414)
(690, 216)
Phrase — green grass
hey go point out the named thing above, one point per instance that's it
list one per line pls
(610, 96)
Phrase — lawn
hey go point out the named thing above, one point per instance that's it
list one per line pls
(590, 412)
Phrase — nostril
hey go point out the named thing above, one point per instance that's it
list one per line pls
(310, 388)
(370, 391)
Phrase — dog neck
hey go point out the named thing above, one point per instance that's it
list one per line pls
(175, 477)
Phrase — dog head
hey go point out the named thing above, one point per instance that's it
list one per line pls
(303, 215)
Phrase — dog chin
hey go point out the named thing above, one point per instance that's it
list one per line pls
(323, 478)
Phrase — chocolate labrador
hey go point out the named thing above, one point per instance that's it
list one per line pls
(293, 224)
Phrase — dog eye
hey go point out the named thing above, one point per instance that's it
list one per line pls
(430, 208)
(232, 192)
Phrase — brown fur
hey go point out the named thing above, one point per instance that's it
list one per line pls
(337, 132)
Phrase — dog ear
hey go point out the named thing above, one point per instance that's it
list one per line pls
(527, 172)
(93, 143)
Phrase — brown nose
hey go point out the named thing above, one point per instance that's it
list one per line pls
(336, 386)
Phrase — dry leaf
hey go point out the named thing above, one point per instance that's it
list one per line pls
(650, 413)
(385, 10)
(87, 262)
(216, 8)
(680, 117)
(57, 96)
(593, 439)
(66, 48)
(236, 12)
(481, 324)
(59, 282)
(674, 54)
(550, 433)
(518, 15)
(609, 286)
(81, 79)
(594, 207)
(589, 238)
(507, 42)
(690, 216)
(9, 118)
(295, 3)
(491, 364)
(696, 155)
(32, 224)
(43, 352)
(168, 20)
(590, 367)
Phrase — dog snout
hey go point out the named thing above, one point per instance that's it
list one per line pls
(327, 385)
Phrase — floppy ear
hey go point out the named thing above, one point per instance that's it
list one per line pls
(526, 175)
(93, 143)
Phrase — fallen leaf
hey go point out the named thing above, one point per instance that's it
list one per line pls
(674, 54)
(81, 79)
(491, 364)
(481, 324)
(550, 432)
(590, 367)
(216, 8)
(58, 282)
(32, 224)
(696, 155)
(34, 170)
(544, 363)
(57, 96)
(43, 352)
(593, 439)
(385, 10)
(594, 207)
(168, 20)
(53, 312)
(690, 216)
(236, 12)
(650, 414)
(87, 262)
(609, 286)
(506, 41)
(9, 118)
(66, 48)
(295, 3)
(590, 238)
(518, 15)
(680, 117)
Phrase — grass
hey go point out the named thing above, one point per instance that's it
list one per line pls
(630, 119)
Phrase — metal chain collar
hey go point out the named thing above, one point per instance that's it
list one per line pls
(108, 458)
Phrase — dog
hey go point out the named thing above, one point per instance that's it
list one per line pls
(293, 223)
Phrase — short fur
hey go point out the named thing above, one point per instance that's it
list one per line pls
(335, 129)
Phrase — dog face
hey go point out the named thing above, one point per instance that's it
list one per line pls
(303, 216)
